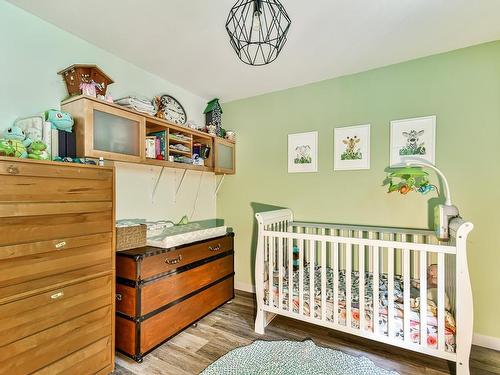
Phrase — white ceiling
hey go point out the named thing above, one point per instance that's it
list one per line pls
(185, 42)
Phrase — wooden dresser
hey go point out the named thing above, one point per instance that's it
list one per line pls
(56, 268)
(162, 291)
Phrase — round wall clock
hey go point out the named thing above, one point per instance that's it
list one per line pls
(174, 111)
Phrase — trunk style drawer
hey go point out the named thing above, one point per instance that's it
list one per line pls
(144, 299)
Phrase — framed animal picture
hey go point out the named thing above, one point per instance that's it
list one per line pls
(303, 152)
(414, 139)
(351, 148)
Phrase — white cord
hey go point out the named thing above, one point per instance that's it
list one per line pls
(419, 163)
(196, 199)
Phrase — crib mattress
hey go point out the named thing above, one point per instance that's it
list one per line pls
(382, 321)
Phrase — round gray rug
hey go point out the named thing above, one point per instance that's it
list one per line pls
(291, 358)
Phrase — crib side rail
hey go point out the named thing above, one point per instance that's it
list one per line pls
(352, 257)
(464, 314)
(276, 220)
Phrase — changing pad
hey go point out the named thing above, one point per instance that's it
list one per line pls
(188, 233)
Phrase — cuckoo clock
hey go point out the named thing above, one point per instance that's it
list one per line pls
(213, 114)
(80, 78)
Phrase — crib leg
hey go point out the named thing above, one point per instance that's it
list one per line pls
(260, 321)
(462, 365)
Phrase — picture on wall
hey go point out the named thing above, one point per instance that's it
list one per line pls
(351, 148)
(413, 138)
(303, 152)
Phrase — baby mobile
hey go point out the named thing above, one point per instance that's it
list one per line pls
(409, 179)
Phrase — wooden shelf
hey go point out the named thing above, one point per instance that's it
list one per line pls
(174, 151)
(173, 164)
(83, 108)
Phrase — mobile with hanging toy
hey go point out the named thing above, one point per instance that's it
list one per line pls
(411, 177)
(407, 179)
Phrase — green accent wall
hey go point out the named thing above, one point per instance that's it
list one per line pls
(462, 88)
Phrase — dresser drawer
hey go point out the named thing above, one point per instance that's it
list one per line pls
(53, 170)
(41, 349)
(30, 267)
(167, 323)
(175, 258)
(54, 189)
(87, 361)
(54, 208)
(28, 316)
(161, 292)
(19, 230)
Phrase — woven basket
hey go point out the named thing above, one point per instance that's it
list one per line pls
(130, 237)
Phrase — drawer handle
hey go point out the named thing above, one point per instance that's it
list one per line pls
(12, 169)
(214, 248)
(174, 261)
(60, 245)
(118, 297)
(57, 295)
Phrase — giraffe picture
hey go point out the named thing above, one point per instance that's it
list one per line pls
(413, 139)
(351, 147)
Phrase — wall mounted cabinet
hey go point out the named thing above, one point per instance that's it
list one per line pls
(116, 133)
(224, 156)
(107, 131)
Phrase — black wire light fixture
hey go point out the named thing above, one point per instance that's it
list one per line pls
(257, 30)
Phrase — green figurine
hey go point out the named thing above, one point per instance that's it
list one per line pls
(37, 151)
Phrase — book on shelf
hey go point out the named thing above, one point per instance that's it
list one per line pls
(161, 144)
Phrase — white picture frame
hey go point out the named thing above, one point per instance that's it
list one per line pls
(351, 148)
(413, 138)
(303, 152)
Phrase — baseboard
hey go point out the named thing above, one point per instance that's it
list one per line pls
(244, 287)
(486, 341)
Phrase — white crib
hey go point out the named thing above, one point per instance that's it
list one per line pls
(389, 260)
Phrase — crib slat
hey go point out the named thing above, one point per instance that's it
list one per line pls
(423, 298)
(348, 284)
(361, 270)
(441, 301)
(336, 282)
(323, 280)
(290, 275)
(390, 289)
(301, 277)
(271, 269)
(312, 260)
(280, 272)
(376, 291)
(406, 294)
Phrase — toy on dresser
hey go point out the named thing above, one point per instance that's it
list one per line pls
(14, 139)
(37, 150)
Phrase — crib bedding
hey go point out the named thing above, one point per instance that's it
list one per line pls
(431, 319)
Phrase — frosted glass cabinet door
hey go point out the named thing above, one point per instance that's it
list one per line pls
(115, 134)
(224, 157)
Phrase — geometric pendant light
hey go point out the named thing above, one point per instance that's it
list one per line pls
(257, 30)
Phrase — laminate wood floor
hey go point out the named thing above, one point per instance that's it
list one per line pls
(231, 326)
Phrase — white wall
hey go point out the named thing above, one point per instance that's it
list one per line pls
(33, 51)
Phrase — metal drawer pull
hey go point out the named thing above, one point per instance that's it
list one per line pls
(57, 295)
(118, 297)
(61, 245)
(174, 261)
(214, 248)
(12, 169)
